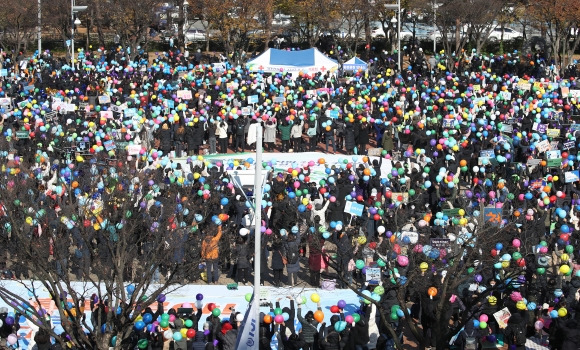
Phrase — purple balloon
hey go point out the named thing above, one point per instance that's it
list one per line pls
(433, 142)
(341, 304)
(9, 320)
(435, 154)
(351, 177)
(389, 234)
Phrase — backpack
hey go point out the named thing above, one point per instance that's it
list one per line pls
(519, 336)
(470, 341)
(293, 255)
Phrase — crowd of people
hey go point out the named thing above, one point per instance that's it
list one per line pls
(473, 139)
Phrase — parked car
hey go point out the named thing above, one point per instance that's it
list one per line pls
(378, 32)
(195, 35)
(508, 34)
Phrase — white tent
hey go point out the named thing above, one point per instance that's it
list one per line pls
(309, 61)
(355, 63)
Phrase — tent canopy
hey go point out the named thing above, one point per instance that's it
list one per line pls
(355, 63)
(307, 61)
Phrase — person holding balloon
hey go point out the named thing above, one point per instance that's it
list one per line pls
(309, 326)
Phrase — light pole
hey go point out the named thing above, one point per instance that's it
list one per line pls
(397, 7)
(435, 5)
(74, 22)
(39, 29)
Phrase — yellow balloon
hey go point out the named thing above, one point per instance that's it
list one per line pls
(305, 201)
(564, 269)
(505, 264)
(461, 212)
(315, 297)
(564, 257)
(29, 220)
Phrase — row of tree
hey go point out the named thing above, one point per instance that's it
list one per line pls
(236, 22)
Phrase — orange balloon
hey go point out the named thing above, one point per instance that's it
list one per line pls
(547, 189)
(463, 162)
(267, 319)
(75, 184)
(432, 291)
(543, 163)
(517, 213)
(365, 159)
(367, 171)
(500, 185)
(321, 161)
(319, 316)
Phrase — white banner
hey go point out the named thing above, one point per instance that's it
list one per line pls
(248, 337)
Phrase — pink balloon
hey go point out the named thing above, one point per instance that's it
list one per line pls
(403, 260)
(296, 184)
(491, 194)
(516, 243)
(521, 197)
(171, 318)
(349, 319)
(333, 199)
(483, 318)
(279, 319)
(543, 250)
(187, 305)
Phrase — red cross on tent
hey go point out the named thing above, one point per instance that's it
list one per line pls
(323, 68)
(261, 67)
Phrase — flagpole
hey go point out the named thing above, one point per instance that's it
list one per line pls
(258, 190)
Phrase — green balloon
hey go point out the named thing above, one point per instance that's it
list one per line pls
(394, 316)
(164, 323)
(470, 270)
(381, 263)
(216, 312)
(360, 264)
(569, 249)
(298, 193)
(379, 290)
(516, 255)
(544, 243)
(165, 317)
(188, 323)
(411, 192)
(426, 169)
(277, 311)
(142, 344)
(541, 270)
(248, 297)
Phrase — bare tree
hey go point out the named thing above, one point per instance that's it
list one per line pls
(114, 243)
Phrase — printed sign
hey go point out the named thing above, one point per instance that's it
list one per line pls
(568, 145)
(553, 132)
(107, 114)
(5, 101)
(246, 110)
(533, 162)
(279, 99)
(492, 216)
(507, 128)
(574, 127)
(572, 176)
(184, 94)
(373, 274)
(543, 146)
(574, 93)
(541, 128)
(487, 153)
(104, 99)
(253, 99)
(334, 114)
(502, 317)
(133, 150)
(109, 145)
(353, 208)
(130, 112)
(440, 243)
(451, 212)
(23, 134)
(448, 123)
(3, 72)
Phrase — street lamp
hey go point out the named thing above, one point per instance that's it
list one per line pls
(397, 7)
(74, 22)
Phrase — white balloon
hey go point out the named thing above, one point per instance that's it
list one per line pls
(381, 229)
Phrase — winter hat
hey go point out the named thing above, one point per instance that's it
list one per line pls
(226, 327)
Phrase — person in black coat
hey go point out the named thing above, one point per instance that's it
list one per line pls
(242, 253)
(277, 249)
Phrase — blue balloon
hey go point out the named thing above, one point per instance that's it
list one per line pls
(139, 325)
(130, 289)
(225, 201)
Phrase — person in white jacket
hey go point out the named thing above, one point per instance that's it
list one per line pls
(296, 135)
(373, 328)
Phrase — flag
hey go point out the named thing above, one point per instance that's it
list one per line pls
(248, 336)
